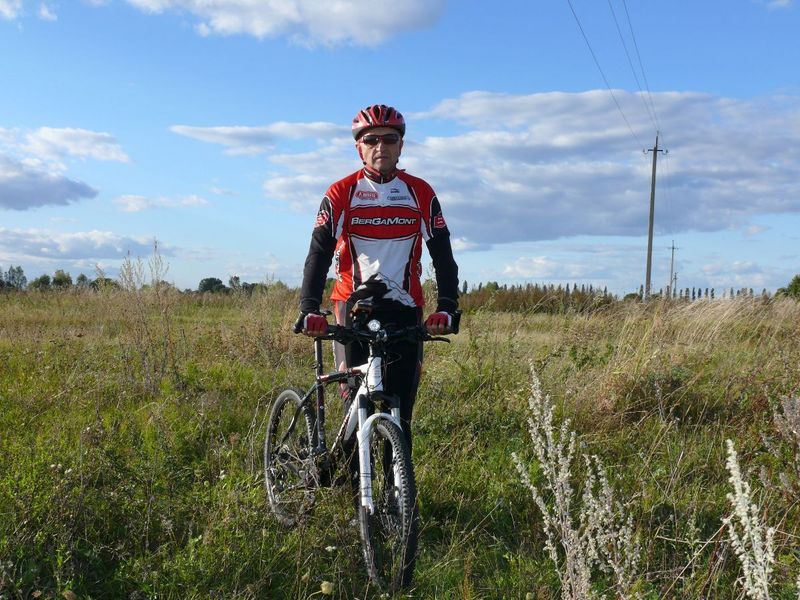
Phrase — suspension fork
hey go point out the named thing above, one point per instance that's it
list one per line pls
(372, 390)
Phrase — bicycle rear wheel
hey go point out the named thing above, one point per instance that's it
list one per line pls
(290, 474)
(389, 535)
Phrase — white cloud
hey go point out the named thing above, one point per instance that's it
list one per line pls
(241, 140)
(54, 143)
(533, 267)
(737, 274)
(332, 22)
(45, 244)
(46, 13)
(136, 203)
(32, 164)
(23, 186)
(10, 9)
(558, 165)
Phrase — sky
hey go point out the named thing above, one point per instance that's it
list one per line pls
(213, 128)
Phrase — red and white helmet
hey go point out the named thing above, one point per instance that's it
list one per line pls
(378, 115)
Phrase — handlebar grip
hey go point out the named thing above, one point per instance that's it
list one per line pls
(298, 325)
(455, 321)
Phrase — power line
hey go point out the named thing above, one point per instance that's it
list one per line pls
(650, 111)
(641, 66)
(602, 74)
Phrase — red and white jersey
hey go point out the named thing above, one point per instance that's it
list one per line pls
(378, 229)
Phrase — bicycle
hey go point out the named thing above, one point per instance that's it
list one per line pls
(298, 461)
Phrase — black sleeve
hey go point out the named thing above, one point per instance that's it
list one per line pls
(443, 262)
(318, 261)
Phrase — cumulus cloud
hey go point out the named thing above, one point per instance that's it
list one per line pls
(559, 165)
(360, 22)
(545, 166)
(33, 164)
(23, 186)
(240, 140)
(46, 13)
(95, 245)
(55, 143)
(136, 203)
(10, 9)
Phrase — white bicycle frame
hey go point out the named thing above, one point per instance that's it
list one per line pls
(372, 382)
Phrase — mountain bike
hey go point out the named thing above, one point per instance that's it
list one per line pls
(298, 460)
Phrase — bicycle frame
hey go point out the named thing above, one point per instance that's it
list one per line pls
(370, 389)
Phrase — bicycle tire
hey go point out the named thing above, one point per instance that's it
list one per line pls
(389, 535)
(290, 472)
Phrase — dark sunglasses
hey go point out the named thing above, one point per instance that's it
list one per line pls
(372, 139)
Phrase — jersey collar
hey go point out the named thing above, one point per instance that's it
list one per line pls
(378, 177)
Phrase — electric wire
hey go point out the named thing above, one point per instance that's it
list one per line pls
(647, 107)
(602, 74)
(641, 65)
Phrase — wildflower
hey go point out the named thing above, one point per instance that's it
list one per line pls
(326, 588)
(752, 543)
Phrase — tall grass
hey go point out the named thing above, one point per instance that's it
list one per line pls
(131, 423)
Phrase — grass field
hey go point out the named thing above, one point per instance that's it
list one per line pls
(132, 423)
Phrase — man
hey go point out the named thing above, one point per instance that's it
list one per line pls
(371, 224)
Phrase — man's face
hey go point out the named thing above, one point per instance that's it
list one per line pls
(378, 152)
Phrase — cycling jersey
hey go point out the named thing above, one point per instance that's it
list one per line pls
(372, 228)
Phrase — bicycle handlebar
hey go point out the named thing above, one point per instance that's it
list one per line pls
(414, 333)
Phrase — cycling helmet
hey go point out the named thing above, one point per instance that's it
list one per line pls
(378, 115)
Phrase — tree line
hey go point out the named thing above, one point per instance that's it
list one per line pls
(529, 297)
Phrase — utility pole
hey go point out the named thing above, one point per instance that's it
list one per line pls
(655, 150)
(672, 275)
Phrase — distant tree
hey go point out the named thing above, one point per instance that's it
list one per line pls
(792, 290)
(464, 287)
(712, 293)
(82, 281)
(40, 283)
(211, 284)
(234, 283)
(14, 278)
(61, 279)
(102, 282)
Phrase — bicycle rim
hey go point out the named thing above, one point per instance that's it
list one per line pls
(389, 535)
(290, 474)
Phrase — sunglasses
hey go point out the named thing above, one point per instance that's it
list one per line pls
(372, 139)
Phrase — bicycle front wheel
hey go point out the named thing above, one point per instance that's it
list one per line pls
(290, 473)
(389, 534)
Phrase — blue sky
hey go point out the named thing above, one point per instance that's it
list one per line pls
(215, 127)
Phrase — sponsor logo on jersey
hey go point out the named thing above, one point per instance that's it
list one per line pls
(394, 191)
(322, 218)
(382, 221)
(366, 195)
(438, 222)
(398, 198)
